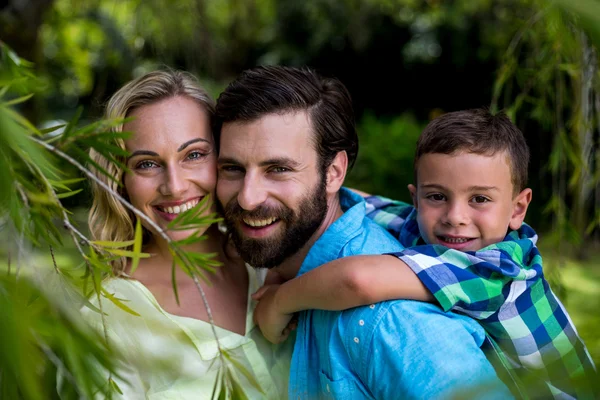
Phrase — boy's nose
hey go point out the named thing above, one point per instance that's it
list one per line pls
(457, 215)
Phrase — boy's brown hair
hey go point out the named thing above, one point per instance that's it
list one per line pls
(477, 131)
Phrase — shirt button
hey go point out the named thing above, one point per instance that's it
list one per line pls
(356, 340)
(372, 306)
(361, 322)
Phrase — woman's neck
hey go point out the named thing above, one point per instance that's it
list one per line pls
(159, 265)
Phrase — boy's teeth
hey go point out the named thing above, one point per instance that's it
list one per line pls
(260, 222)
(180, 208)
(455, 240)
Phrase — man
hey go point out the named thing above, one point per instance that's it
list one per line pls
(287, 138)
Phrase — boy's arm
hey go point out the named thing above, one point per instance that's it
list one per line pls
(337, 285)
(351, 282)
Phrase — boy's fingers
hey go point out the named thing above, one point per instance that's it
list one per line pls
(259, 293)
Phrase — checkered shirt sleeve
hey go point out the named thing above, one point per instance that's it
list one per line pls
(503, 287)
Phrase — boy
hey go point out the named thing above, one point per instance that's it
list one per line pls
(467, 249)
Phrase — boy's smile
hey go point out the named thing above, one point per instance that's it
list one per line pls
(465, 201)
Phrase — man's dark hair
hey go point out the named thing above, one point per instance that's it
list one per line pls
(264, 90)
(477, 131)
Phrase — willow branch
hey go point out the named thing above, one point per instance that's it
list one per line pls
(138, 213)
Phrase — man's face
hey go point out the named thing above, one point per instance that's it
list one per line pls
(465, 201)
(270, 189)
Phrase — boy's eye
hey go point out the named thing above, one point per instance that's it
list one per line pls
(436, 197)
(480, 199)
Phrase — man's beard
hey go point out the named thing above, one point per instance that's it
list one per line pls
(298, 227)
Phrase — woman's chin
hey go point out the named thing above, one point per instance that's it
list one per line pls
(176, 235)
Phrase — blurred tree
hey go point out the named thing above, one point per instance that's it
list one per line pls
(549, 79)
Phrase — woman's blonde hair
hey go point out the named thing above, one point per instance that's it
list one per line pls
(108, 219)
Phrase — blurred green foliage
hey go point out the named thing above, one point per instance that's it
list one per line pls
(385, 159)
(404, 61)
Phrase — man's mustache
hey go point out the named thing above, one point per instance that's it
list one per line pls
(234, 211)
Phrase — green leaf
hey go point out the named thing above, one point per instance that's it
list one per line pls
(243, 370)
(114, 386)
(68, 194)
(174, 276)
(117, 302)
(72, 123)
(116, 245)
(17, 100)
(137, 246)
(126, 253)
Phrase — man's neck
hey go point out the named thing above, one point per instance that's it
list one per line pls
(290, 267)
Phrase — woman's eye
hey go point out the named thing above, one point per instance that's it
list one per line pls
(145, 164)
(195, 155)
(480, 199)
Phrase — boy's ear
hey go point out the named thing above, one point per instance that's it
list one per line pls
(520, 204)
(413, 193)
(336, 172)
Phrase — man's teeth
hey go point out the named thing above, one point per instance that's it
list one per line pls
(456, 240)
(258, 223)
(180, 208)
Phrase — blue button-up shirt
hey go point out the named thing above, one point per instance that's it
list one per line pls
(394, 349)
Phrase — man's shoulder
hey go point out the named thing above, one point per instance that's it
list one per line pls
(407, 319)
(371, 239)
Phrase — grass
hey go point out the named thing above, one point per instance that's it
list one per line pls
(581, 297)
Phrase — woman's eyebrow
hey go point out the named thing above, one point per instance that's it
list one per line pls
(186, 144)
(142, 153)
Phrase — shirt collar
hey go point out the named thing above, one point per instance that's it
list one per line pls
(329, 246)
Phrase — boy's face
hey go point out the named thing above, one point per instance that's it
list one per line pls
(465, 201)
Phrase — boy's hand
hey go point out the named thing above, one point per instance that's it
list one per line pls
(274, 325)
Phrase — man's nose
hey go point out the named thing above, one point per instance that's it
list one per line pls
(253, 193)
(175, 182)
(457, 214)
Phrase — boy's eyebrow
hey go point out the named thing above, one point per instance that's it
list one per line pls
(483, 188)
(470, 188)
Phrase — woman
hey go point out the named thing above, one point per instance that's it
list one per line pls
(169, 350)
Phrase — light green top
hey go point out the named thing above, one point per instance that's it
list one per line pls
(172, 357)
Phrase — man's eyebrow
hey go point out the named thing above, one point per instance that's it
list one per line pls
(142, 153)
(272, 161)
(186, 144)
(227, 160)
(280, 161)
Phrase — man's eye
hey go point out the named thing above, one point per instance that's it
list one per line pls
(231, 168)
(436, 197)
(146, 164)
(279, 170)
(480, 199)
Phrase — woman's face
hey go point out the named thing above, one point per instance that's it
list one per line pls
(172, 160)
